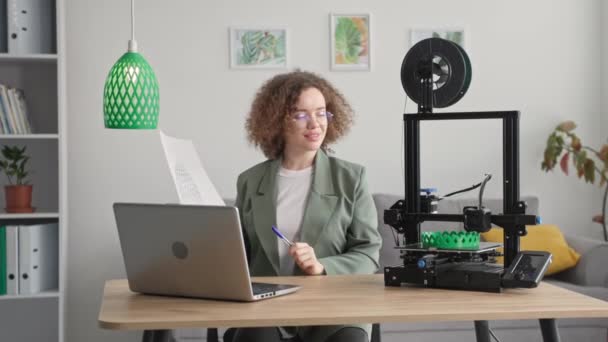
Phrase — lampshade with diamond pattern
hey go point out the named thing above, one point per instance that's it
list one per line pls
(130, 95)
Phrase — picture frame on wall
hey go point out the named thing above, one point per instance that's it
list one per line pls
(258, 47)
(350, 41)
(453, 34)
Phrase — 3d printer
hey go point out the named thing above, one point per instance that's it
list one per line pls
(437, 73)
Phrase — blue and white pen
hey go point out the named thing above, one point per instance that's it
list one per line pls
(281, 236)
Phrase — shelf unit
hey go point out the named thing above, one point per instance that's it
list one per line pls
(29, 136)
(40, 214)
(43, 57)
(42, 78)
(44, 294)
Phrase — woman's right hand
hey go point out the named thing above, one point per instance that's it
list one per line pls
(305, 257)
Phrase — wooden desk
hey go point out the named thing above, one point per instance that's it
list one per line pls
(326, 300)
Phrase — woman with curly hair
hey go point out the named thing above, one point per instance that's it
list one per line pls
(320, 202)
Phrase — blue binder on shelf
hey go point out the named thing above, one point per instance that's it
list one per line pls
(30, 26)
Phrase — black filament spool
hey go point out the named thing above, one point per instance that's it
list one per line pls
(450, 70)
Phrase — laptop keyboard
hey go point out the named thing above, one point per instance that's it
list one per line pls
(260, 288)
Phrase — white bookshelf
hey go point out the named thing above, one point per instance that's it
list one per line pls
(39, 214)
(42, 78)
(28, 136)
(43, 57)
(44, 294)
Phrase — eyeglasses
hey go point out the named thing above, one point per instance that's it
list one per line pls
(303, 118)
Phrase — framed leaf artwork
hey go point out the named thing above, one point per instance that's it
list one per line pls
(258, 48)
(456, 35)
(350, 42)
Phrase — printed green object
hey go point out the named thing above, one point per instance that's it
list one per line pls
(450, 240)
(130, 95)
(2, 260)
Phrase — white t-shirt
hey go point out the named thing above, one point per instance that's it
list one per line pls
(292, 194)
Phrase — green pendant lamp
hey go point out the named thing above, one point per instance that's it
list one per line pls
(130, 96)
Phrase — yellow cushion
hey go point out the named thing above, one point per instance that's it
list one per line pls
(542, 237)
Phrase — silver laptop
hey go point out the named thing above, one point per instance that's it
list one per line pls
(188, 250)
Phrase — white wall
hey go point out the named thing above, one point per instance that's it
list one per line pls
(604, 59)
(538, 57)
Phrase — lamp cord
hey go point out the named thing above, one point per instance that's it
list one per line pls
(133, 20)
(132, 42)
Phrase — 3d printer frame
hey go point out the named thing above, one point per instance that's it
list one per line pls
(425, 64)
(457, 269)
(513, 220)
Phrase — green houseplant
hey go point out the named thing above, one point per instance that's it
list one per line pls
(19, 192)
(591, 164)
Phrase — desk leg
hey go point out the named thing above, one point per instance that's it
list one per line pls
(548, 328)
(482, 331)
(156, 336)
(212, 335)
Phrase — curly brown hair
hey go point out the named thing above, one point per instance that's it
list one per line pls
(276, 99)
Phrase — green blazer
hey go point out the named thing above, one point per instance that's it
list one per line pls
(340, 223)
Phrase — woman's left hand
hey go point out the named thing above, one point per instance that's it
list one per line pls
(305, 258)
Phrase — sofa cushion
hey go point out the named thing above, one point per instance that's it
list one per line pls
(590, 269)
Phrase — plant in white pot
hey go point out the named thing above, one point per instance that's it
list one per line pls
(19, 192)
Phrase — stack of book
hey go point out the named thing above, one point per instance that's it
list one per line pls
(29, 259)
(13, 112)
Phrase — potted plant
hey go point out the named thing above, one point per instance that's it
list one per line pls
(588, 161)
(19, 192)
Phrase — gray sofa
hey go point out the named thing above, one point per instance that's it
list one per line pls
(589, 277)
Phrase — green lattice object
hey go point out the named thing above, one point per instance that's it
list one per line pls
(130, 96)
(450, 240)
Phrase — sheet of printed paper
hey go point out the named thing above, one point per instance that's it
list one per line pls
(191, 181)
